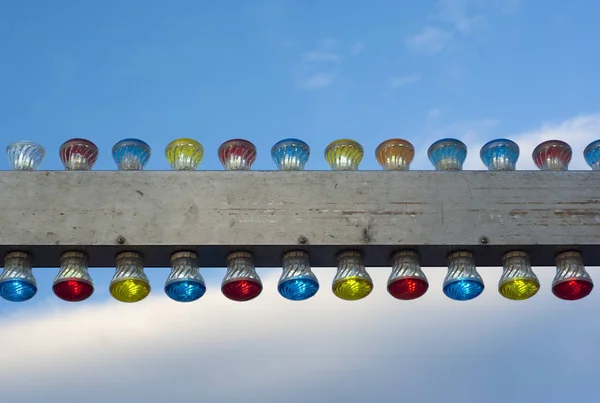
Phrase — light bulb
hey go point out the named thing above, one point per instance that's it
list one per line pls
(241, 282)
(297, 281)
(17, 283)
(500, 155)
(352, 281)
(130, 283)
(572, 281)
(237, 155)
(344, 155)
(447, 154)
(78, 154)
(73, 282)
(462, 283)
(407, 281)
(25, 155)
(185, 283)
(131, 154)
(552, 155)
(395, 155)
(592, 155)
(290, 154)
(518, 281)
(184, 154)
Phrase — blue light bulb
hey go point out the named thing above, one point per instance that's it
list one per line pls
(185, 290)
(297, 281)
(131, 154)
(17, 283)
(592, 155)
(185, 283)
(447, 154)
(462, 283)
(500, 155)
(290, 154)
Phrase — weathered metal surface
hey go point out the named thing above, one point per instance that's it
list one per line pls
(268, 213)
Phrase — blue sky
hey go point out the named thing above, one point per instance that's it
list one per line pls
(265, 70)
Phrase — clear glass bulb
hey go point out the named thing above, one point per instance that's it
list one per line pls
(447, 154)
(237, 155)
(185, 283)
(572, 281)
(131, 154)
(500, 155)
(290, 154)
(130, 283)
(184, 154)
(78, 154)
(17, 283)
(592, 155)
(297, 281)
(352, 281)
(462, 283)
(344, 155)
(518, 281)
(25, 155)
(552, 155)
(395, 155)
(73, 282)
(241, 282)
(407, 281)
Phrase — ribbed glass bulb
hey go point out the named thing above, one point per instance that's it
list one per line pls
(518, 281)
(17, 283)
(241, 282)
(237, 155)
(572, 281)
(184, 154)
(290, 154)
(592, 155)
(352, 281)
(25, 155)
(78, 154)
(185, 283)
(462, 283)
(552, 155)
(73, 282)
(500, 155)
(297, 281)
(130, 283)
(447, 154)
(131, 154)
(344, 155)
(407, 281)
(395, 155)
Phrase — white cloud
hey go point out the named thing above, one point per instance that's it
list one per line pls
(403, 81)
(318, 81)
(321, 56)
(357, 48)
(429, 40)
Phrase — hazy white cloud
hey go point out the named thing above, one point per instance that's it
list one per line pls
(321, 56)
(403, 81)
(433, 113)
(429, 40)
(318, 81)
(357, 48)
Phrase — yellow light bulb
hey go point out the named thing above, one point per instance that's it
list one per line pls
(518, 281)
(352, 281)
(184, 154)
(519, 289)
(344, 155)
(130, 290)
(352, 288)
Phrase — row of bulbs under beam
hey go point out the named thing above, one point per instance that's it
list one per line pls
(293, 154)
(241, 282)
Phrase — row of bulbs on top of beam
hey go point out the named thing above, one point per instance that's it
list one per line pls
(297, 282)
(292, 155)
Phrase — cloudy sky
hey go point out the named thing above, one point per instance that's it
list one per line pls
(265, 70)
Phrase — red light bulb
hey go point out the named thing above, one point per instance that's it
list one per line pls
(408, 288)
(241, 282)
(407, 281)
(73, 282)
(73, 290)
(241, 290)
(237, 155)
(572, 281)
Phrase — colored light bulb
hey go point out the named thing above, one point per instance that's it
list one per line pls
(184, 154)
(297, 281)
(500, 155)
(462, 283)
(344, 155)
(290, 154)
(241, 282)
(73, 282)
(352, 281)
(78, 154)
(131, 154)
(518, 281)
(185, 283)
(237, 155)
(407, 281)
(17, 283)
(25, 155)
(592, 155)
(447, 154)
(395, 155)
(572, 281)
(130, 283)
(552, 155)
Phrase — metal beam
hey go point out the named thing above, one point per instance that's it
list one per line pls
(158, 212)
